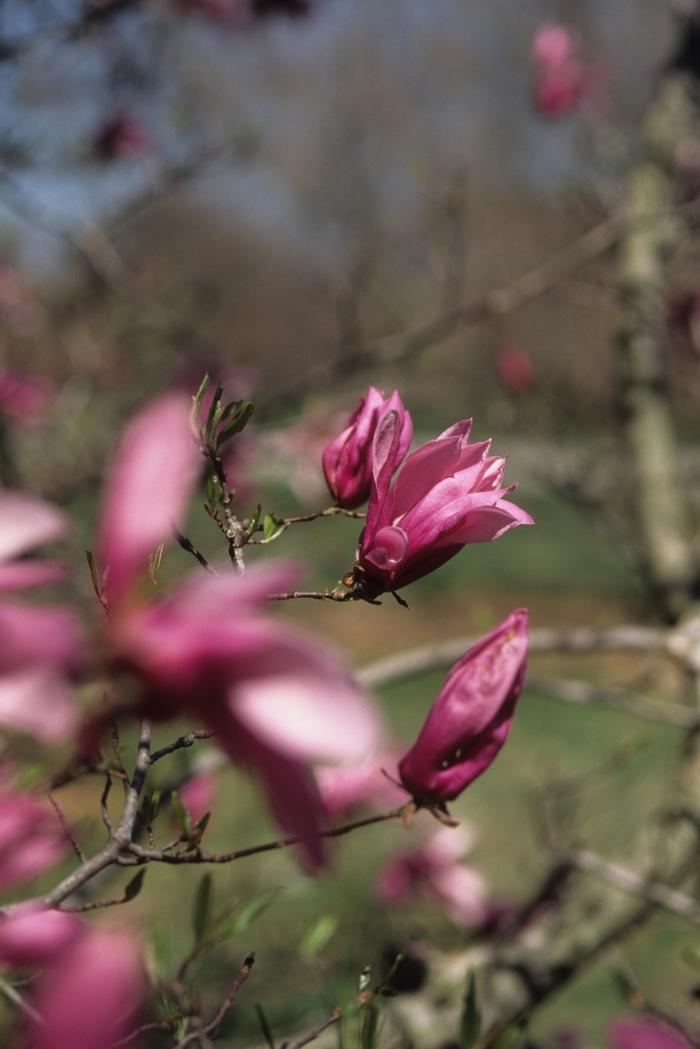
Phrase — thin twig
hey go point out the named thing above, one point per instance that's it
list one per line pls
(335, 1017)
(584, 692)
(199, 856)
(157, 1025)
(75, 845)
(189, 546)
(213, 1025)
(629, 881)
(16, 998)
(180, 743)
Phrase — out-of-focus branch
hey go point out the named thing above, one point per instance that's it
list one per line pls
(631, 882)
(651, 230)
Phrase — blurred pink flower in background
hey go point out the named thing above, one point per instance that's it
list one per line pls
(345, 788)
(91, 987)
(275, 699)
(645, 1032)
(470, 720)
(561, 80)
(437, 867)
(514, 368)
(197, 795)
(347, 460)
(25, 398)
(447, 493)
(31, 838)
(39, 646)
(122, 136)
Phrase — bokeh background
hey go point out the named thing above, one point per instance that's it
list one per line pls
(277, 194)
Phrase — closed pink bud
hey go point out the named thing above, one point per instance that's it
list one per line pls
(470, 720)
(347, 460)
(448, 493)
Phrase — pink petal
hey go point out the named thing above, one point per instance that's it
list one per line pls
(463, 893)
(433, 462)
(23, 575)
(34, 634)
(387, 550)
(151, 480)
(32, 935)
(26, 522)
(38, 703)
(92, 998)
(645, 1032)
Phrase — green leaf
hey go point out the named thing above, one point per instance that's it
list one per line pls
(199, 397)
(253, 523)
(272, 528)
(213, 414)
(154, 805)
(368, 1026)
(264, 1026)
(134, 887)
(319, 935)
(182, 816)
(254, 909)
(201, 909)
(238, 422)
(470, 1022)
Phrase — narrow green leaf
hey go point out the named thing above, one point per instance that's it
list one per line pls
(264, 1026)
(199, 396)
(134, 887)
(254, 909)
(155, 805)
(470, 1022)
(238, 422)
(201, 909)
(253, 522)
(182, 816)
(272, 528)
(213, 414)
(319, 935)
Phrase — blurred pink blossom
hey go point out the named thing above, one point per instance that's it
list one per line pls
(275, 700)
(561, 80)
(437, 867)
(197, 795)
(39, 645)
(26, 398)
(92, 982)
(447, 493)
(31, 838)
(347, 460)
(645, 1032)
(514, 367)
(470, 720)
(345, 788)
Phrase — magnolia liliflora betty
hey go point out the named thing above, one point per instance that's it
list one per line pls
(447, 493)
(275, 699)
(470, 720)
(347, 460)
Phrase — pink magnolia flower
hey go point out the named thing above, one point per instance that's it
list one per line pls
(197, 795)
(92, 982)
(26, 398)
(470, 720)
(645, 1032)
(31, 839)
(347, 461)
(38, 645)
(561, 79)
(275, 701)
(448, 493)
(344, 788)
(437, 867)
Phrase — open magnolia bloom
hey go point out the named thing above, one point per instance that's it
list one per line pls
(275, 699)
(470, 720)
(347, 460)
(447, 493)
(39, 645)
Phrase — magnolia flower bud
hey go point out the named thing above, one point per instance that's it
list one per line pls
(347, 460)
(470, 720)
